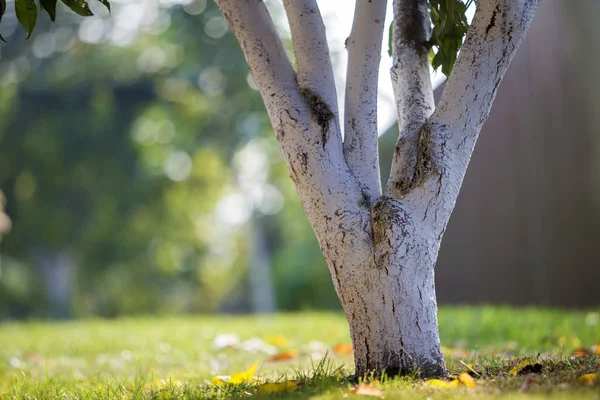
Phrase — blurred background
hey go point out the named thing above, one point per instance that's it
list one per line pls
(142, 177)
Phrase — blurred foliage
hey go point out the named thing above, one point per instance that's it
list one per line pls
(134, 149)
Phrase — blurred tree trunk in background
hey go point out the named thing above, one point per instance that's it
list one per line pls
(525, 227)
(57, 268)
(262, 293)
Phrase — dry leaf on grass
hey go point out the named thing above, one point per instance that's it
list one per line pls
(277, 387)
(589, 379)
(441, 384)
(467, 380)
(527, 384)
(527, 366)
(366, 389)
(277, 340)
(284, 356)
(342, 349)
(237, 378)
(582, 352)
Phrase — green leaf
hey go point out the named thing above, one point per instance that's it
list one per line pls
(26, 11)
(50, 7)
(106, 4)
(449, 28)
(2, 8)
(80, 7)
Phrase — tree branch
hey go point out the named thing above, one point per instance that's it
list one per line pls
(364, 55)
(498, 28)
(412, 89)
(304, 118)
(447, 138)
(268, 62)
(315, 73)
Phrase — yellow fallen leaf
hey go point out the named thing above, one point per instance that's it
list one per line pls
(589, 379)
(219, 380)
(277, 340)
(440, 384)
(343, 349)
(467, 380)
(527, 366)
(277, 387)
(366, 389)
(236, 378)
(243, 377)
(286, 355)
(470, 368)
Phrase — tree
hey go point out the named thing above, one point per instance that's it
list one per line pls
(380, 242)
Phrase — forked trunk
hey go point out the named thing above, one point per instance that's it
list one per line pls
(381, 248)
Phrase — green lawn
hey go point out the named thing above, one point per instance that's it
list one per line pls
(176, 357)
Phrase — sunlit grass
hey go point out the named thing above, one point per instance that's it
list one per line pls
(176, 357)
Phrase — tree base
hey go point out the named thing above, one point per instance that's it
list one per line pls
(427, 371)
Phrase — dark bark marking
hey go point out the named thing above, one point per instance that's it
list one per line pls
(364, 200)
(423, 165)
(290, 116)
(412, 30)
(320, 110)
(492, 20)
(303, 157)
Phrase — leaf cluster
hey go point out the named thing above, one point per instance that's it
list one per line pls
(449, 28)
(27, 11)
(450, 25)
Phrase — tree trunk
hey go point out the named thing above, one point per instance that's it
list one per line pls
(381, 248)
(398, 321)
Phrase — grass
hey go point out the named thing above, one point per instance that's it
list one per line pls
(176, 357)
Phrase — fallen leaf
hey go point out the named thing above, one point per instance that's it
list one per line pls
(237, 378)
(277, 387)
(226, 340)
(471, 369)
(441, 384)
(589, 379)
(277, 340)
(527, 383)
(467, 380)
(366, 389)
(527, 366)
(581, 353)
(286, 355)
(220, 380)
(343, 349)
(257, 345)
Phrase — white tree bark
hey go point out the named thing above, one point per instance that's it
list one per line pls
(360, 134)
(381, 249)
